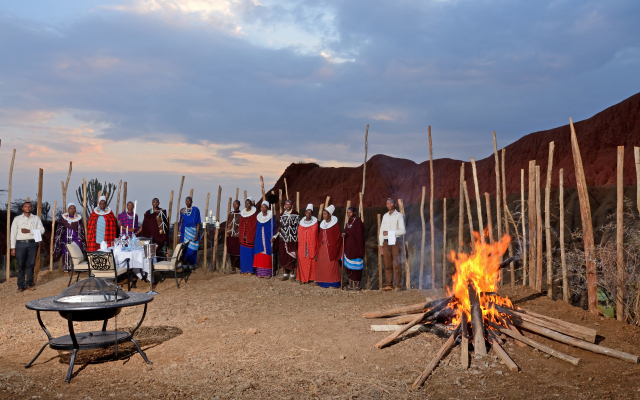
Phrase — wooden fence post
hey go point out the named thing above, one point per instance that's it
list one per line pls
(53, 234)
(124, 196)
(245, 197)
(39, 213)
(405, 249)
(538, 232)
(444, 242)
(460, 212)
(478, 200)
(547, 221)
(298, 201)
(176, 225)
(532, 224)
(117, 199)
(523, 218)
(563, 260)
(498, 195)
(8, 271)
(65, 186)
(84, 203)
(636, 156)
(237, 193)
(215, 236)
(505, 208)
(320, 209)
(226, 226)
(469, 215)
(424, 233)
(433, 233)
(620, 236)
(587, 227)
(206, 214)
(364, 167)
(380, 280)
(169, 250)
(286, 189)
(262, 188)
(489, 217)
(280, 201)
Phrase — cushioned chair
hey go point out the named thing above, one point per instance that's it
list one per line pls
(172, 264)
(78, 261)
(102, 264)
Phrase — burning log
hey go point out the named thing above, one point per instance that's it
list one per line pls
(477, 324)
(536, 345)
(436, 359)
(413, 308)
(464, 343)
(400, 320)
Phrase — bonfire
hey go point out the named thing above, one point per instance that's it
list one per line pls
(476, 317)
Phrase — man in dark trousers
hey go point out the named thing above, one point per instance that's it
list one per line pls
(26, 232)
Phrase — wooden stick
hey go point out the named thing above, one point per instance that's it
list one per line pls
(280, 201)
(477, 324)
(489, 224)
(364, 165)
(587, 227)
(361, 208)
(505, 208)
(532, 224)
(84, 203)
(540, 346)
(298, 201)
(436, 359)
(495, 346)
(523, 250)
(36, 270)
(464, 343)
(286, 190)
(433, 229)
(346, 217)
(8, 269)
(401, 319)
(498, 194)
(237, 193)
(262, 188)
(65, 187)
(118, 198)
(460, 212)
(245, 196)
(581, 344)
(405, 249)
(175, 228)
(191, 194)
(514, 329)
(424, 232)
(468, 203)
(636, 156)
(53, 234)
(224, 248)
(547, 221)
(320, 209)
(386, 341)
(326, 202)
(538, 233)
(206, 213)
(620, 237)
(393, 328)
(563, 259)
(478, 200)
(124, 196)
(444, 242)
(410, 309)
(380, 280)
(215, 236)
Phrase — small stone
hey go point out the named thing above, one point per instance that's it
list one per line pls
(252, 331)
(342, 357)
(202, 319)
(499, 372)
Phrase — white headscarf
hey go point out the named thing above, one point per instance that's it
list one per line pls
(266, 203)
(102, 198)
(330, 209)
(310, 206)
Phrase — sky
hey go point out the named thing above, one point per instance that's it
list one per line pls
(222, 91)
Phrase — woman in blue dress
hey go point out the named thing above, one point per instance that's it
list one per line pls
(189, 231)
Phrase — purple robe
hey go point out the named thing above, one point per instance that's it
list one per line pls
(68, 231)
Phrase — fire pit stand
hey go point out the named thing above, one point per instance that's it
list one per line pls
(79, 311)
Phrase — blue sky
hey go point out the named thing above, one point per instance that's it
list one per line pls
(223, 91)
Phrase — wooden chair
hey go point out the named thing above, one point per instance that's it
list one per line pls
(172, 264)
(102, 264)
(78, 261)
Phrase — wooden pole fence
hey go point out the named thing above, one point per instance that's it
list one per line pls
(460, 212)
(444, 242)
(478, 200)
(53, 234)
(547, 221)
(523, 250)
(620, 236)
(433, 229)
(8, 269)
(215, 236)
(563, 260)
(505, 209)
(424, 233)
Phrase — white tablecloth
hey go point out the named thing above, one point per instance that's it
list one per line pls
(137, 262)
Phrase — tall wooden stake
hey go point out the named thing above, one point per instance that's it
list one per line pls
(84, 203)
(547, 221)
(8, 271)
(563, 260)
(538, 232)
(245, 197)
(117, 199)
(523, 249)
(405, 249)
(489, 217)
(433, 229)
(215, 236)
(262, 188)
(298, 201)
(206, 213)
(505, 208)
(326, 202)
(237, 193)
(444, 242)
(224, 249)
(53, 234)
(636, 156)
(346, 218)
(124, 197)
(320, 209)
(460, 212)
(364, 166)
(424, 233)
(498, 194)
(280, 201)
(532, 224)
(361, 208)
(620, 237)
(39, 213)
(176, 225)
(469, 215)
(380, 280)
(478, 200)
(286, 189)
(169, 218)
(587, 227)
(65, 187)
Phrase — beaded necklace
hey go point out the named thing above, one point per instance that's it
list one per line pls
(350, 225)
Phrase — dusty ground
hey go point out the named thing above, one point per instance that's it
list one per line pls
(273, 339)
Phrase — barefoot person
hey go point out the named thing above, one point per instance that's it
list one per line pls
(307, 246)
(263, 253)
(353, 249)
(392, 225)
(155, 225)
(102, 226)
(247, 235)
(287, 240)
(189, 231)
(329, 250)
(69, 230)
(26, 232)
(233, 239)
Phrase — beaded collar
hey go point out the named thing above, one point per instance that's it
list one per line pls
(304, 223)
(100, 212)
(69, 219)
(326, 225)
(246, 213)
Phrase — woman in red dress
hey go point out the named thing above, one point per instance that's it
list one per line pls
(329, 250)
(307, 246)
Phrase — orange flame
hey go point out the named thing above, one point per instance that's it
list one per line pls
(482, 269)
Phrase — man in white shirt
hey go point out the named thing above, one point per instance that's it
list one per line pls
(26, 232)
(391, 228)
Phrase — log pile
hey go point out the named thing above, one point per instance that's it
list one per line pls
(478, 319)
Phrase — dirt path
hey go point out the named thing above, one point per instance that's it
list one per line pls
(228, 336)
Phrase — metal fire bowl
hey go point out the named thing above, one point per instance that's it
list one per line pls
(98, 311)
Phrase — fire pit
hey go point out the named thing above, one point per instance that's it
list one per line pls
(92, 299)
